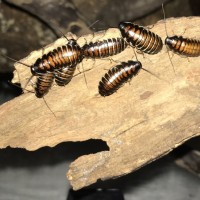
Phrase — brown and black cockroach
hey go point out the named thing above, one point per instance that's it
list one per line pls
(183, 46)
(66, 55)
(105, 48)
(120, 74)
(43, 84)
(63, 76)
(117, 76)
(62, 60)
(141, 38)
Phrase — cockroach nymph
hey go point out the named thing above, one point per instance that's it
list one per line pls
(183, 46)
(63, 76)
(43, 84)
(117, 76)
(67, 55)
(141, 38)
(104, 48)
(59, 63)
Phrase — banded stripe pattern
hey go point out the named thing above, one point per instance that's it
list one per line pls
(63, 76)
(117, 76)
(183, 46)
(141, 38)
(67, 55)
(43, 84)
(105, 48)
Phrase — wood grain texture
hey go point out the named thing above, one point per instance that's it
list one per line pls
(143, 121)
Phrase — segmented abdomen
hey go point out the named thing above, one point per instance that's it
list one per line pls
(183, 46)
(68, 55)
(117, 76)
(63, 76)
(105, 48)
(43, 84)
(144, 40)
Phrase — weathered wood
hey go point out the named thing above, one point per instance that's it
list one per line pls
(143, 121)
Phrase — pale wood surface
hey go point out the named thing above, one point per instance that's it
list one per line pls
(143, 121)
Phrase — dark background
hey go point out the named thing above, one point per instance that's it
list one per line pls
(29, 25)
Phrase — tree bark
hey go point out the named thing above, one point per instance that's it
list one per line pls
(143, 121)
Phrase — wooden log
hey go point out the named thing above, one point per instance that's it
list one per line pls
(143, 121)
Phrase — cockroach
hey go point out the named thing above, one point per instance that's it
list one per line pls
(63, 76)
(141, 38)
(105, 48)
(67, 55)
(117, 76)
(43, 84)
(120, 74)
(62, 60)
(181, 45)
